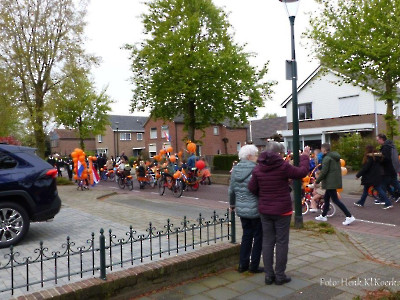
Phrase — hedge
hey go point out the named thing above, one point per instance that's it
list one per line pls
(224, 162)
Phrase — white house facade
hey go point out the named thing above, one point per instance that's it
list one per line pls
(328, 109)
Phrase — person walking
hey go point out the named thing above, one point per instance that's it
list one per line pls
(246, 206)
(270, 182)
(331, 178)
(391, 166)
(372, 175)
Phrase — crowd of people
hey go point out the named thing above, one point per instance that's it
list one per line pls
(260, 194)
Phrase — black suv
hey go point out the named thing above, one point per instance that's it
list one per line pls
(28, 192)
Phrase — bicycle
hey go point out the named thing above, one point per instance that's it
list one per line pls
(191, 179)
(107, 175)
(148, 179)
(172, 183)
(125, 180)
(306, 203)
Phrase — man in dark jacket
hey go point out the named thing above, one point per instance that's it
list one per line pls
(246, 206)
(270, 182)
(331, 177)
(389, 173)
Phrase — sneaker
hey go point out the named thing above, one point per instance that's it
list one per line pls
(321, 218)
(358, 204)
(349, 220)
(379, 202)
(313, 210)
(387, 207)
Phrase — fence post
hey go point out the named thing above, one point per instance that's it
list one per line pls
(233, 226)
(102, 255)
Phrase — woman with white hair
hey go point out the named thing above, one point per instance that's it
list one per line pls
(270, 183)
(246, 206)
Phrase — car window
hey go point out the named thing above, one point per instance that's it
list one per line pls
(6, 161)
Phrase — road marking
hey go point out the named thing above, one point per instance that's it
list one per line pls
(223, 202)
(190, 197)
(154, 193)
(379, 223)
(113, 187)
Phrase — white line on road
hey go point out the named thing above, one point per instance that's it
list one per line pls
(223, 202)
(190, 197)
(154, 193)
(379, 223)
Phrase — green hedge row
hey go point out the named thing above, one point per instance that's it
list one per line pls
(224, 162)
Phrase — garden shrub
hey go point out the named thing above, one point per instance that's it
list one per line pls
(224, 162)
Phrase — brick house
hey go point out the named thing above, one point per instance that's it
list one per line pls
(217, 139)
(124, 134)
(64, 141)
(266, 129)
(328, 110)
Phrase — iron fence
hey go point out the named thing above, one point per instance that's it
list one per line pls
(94, 259)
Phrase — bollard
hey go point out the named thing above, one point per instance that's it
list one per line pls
(102, 255)
(233, 227)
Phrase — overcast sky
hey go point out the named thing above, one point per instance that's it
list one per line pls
(261, 24)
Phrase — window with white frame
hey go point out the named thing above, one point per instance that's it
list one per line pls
(139, 136)
(216, 130)
(125, 136)
(348, 105)
(305, 111)
(99, 138)
(153, 133)
(165, 132)
(152, 150)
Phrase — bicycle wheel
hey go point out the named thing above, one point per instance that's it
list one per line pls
(112, 176)
(121, 183)
(331, 211)
(177, 189)
(304, 207)
(195, 186)
(129, 184)
(161, 186)
(152, 182)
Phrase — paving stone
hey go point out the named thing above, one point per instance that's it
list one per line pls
(222, 293)
(255, 295)
(192, 288)
(313, 292)
(213, 282)
(277, 291)
(199, 297)
(243, 286)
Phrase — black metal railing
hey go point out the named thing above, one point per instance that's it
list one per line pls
(91, 259)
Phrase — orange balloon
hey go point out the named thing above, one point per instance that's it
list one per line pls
(339, 190)
(74, 154)
(344, 171)
(84, 175)
(177, 174)
(75, 160)
(170, 149)
(172, 158)
(191, 147)
(180, 154)
(81, 158)
(162, 152)
(76, 177)
(342, 162)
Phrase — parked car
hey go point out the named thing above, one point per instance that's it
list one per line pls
(28, 192)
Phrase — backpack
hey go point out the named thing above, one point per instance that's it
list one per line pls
(395, 159)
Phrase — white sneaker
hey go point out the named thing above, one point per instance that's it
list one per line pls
(321, 218)
(313, 210)
(349, 220)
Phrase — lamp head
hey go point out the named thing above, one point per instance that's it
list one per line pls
(291, 6)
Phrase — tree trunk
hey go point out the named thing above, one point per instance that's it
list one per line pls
(391, 122)
(40, 137)
(192, 121)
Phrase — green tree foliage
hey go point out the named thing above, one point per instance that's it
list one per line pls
(79, 107)
(270, 116)
(351, 147)
(37, 37)
(359, 39)
(190, 66)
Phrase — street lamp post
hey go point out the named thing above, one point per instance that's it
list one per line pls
(117, 123)
(291, 8)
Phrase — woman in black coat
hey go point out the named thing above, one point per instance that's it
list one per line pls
(372, 175)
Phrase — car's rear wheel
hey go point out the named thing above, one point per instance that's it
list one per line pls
(14, 223)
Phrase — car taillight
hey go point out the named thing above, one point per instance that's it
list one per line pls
(52, 173)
